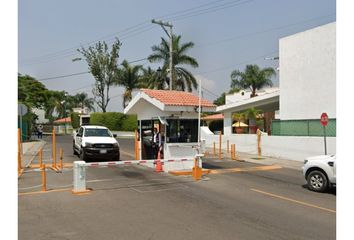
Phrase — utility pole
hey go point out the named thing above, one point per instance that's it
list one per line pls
(163, 25)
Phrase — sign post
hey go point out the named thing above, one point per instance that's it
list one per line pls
(22, 110)
(324, 122)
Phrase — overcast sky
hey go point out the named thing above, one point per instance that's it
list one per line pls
(227, 35)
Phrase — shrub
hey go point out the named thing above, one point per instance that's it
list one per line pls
(75, 120)
(114, 121)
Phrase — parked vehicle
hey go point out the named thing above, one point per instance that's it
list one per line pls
(96, 143)
(320, 172)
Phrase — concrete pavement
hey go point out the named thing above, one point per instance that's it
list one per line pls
(264, 160)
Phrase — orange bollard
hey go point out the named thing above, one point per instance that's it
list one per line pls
(40, 155)
(214, 150)
(54, 151)
(158, 163)
(227, 146)
(136, 145)
(220, 139)
(233, 152)
(44, 179)
(61, 158)
(196, 171)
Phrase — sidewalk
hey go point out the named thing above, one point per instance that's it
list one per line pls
(265, 160)
(30, 151)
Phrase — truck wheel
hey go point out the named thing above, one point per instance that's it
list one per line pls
(82, 155)
(74, 151)
(317, 181)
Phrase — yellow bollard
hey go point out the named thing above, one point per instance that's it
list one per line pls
(44, 179)
(220, 139)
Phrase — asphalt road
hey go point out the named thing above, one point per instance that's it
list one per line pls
(133, 202)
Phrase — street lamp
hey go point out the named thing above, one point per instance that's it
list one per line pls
(163, 25)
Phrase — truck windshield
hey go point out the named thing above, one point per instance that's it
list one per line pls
(97, 133)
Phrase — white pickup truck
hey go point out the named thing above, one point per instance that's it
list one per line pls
(95, 143)
(320, 172)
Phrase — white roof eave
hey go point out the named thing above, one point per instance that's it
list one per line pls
(250, 101)
(141, 95)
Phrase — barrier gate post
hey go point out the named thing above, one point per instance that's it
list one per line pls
(79, 177)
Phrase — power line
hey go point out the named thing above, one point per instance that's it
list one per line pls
(141, 28)
(80, 73)
(264, 31)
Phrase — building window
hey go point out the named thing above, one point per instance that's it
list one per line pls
(182, 130)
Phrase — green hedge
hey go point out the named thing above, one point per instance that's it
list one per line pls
(75, 120)
(115, 121)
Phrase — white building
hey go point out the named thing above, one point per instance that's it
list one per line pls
(307, 88)
(307, 62)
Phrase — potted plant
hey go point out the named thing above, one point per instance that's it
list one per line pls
(252, 114)
(239, 125)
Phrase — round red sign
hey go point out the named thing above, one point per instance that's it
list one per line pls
(324, 119)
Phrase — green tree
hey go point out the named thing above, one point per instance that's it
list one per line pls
(153, 79)
(182, 79)
(57, 104)
(103, 65)
(253, 77)
(82, 100)
(220, 100)
(31, 92)
(129, 78)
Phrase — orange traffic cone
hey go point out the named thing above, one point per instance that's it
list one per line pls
(158, 163)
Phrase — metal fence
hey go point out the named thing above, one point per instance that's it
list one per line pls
(305, 127)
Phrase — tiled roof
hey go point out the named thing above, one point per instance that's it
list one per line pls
(177, 98)
(63, 120)
(214, 117)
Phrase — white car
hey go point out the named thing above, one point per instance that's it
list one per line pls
(320, 172)
(96, 143)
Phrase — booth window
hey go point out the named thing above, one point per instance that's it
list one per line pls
(182, 130)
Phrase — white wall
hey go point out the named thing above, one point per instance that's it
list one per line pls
(308, 73)
(291, 148)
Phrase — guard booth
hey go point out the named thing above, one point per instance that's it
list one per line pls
(175, 115)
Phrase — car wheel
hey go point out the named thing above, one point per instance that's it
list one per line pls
(317, 181)
(74, 150)
(118, 156)
(82, 155)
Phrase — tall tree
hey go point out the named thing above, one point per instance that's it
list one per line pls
(82, 100)
(129, 78)
(182, 79)
(103, 65)
(253, 78)
(57, 104)
(31, 92)
(154, 79)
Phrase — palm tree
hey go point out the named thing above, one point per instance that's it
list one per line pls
(253, 77)
(182, 79)
(252, 114)
(153, 79)
(57, 102)
(82, 100)
(129, 78)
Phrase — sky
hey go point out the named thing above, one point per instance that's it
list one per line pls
(228, 35)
